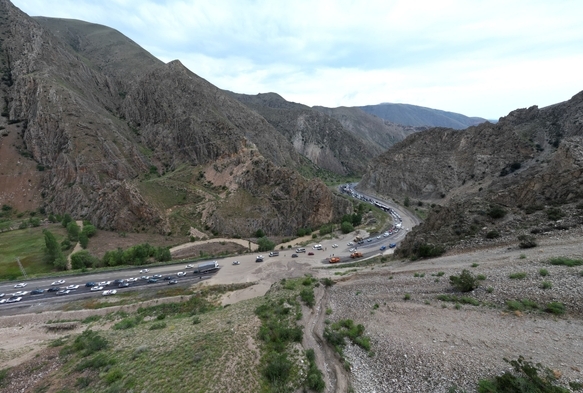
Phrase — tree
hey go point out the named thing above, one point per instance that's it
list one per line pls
(83, 240)
(259, 233)
(83, 259)
(346, 227)
(163, 254)
(407, 202)
(265, 244)
(356, 219)
(89, 230)
(52, 248)
(73, 231)
(66, 220)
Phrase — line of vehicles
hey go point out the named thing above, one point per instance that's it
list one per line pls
(100, 286)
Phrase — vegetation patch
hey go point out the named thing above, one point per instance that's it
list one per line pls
(459, 299)
(517, 276)
(564, 261)
(337, 333)
(465, 282)
(522, 305)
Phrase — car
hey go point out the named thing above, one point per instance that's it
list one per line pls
(145, 278)
(90, 284)
(386, 234)
(369, 240)
(379, 236)
(180, 274)
(72, 287)
(109, 292)
(54, 289)
(2, 301)
(58, 282)
(383, 248)
(20, 293)
(133, 279)
(361, 242)
(97, 288)
(352, 249)
(124, 284)
(104, 283)
(1, 295)
(37, 291)
(310, 253)
(157, 276)
(294, 255)
(118, 281)
(189, 266)
(259, 258)
(274, 254)
(171, 282)
(144, 271)
(152, 280)
(334, 245)
(350, 244)
(392, 245)
(236, 263)
(20, 285)
(63, 292)
(13, 299)
(168, 278)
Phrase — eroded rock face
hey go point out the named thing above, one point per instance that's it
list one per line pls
(532, 157)
(97, 123)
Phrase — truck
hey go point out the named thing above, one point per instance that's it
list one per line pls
(356, 254)
(206, 267)
(357, 239)
(334, 259)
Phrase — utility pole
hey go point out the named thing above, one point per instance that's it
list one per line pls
(21, 268)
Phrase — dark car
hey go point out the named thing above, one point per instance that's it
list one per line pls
(383, 248)
(118, 281)
(294, 255)
(310, 253)
(90, 284)
(172, 282)
(37, 291)
(152, 280)
(392, 245)
(123, 284)
(54, 289)
(168, 278)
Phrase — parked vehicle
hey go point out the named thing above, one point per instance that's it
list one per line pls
(274, 254)
(236, 263)
(310, 253)
(294, 255)
(298, 250)
(383, 248)
(259, 258)
(20, 285)
(392, 245)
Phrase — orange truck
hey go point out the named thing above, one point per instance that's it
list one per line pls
(356, 255)
(334, 259)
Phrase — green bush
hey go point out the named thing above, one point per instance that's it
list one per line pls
(546, 285)
(496, 212)
(346, 227)
(524, 379)
(158, 325)
(563, 261)
(526, 241)
(265, 244)
(278, 368)
(259, 233)
(427, 250)
(307, 296)
(83, 259)
(128, 323)
(465, 282)
(492, 235)
(543, 272)
(517, 276)
(89, 342)
(555, 308)
(89, 230)
(554, 213)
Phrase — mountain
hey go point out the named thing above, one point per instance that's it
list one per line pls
(94, 126)
(417, 116)
(518, 176)
(369, 127)
(314, 134)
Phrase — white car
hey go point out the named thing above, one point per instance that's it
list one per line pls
(109, 292)
(236, 263)
(189, 266)
(13, 299)
(352, 250)
(97, 288)
(144, 271)
(379, 236)
(2, 301)
(20, 293)
(350, 244)
(386, 234)
(20, 285)
(59, 282)
(72, 287)
(104, 283)
(180, 274)
(334, 245)
(1, 295)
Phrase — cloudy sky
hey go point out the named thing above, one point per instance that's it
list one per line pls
(479, 58)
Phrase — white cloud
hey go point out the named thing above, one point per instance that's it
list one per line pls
(477, 58)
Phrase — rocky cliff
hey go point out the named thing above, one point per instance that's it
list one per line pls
(112, 132)
(527, 164)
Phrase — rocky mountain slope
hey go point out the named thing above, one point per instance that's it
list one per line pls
(413, 115)
(521, 175)
(314, 134)
(130, 143)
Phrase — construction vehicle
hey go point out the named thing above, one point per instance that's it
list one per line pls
(334, 259)
(356, 255)
(357, 239)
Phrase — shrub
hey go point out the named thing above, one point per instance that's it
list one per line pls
(89, 230)
(526, 241)
(555, 308)
(265, 244)
(489, 289)
(524, 378)
(481, 277)
(496, 212)
(407, 296)
(83, 240)
(563, 261)
(83, 259)
(89, 342)
(346, 227)
(465, 282)
(128, 323)
(492, 235)
(517, 276)
(278, 368)
(475, 265)
(307, 296)
(543, 272)
(259, 233)
(427, 250)
(546, 285)
(328, 282)
(554, 213)
(158, 325)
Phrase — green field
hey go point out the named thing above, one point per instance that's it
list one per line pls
(27, 244)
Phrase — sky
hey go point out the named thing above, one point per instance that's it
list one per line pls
(475, 57)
